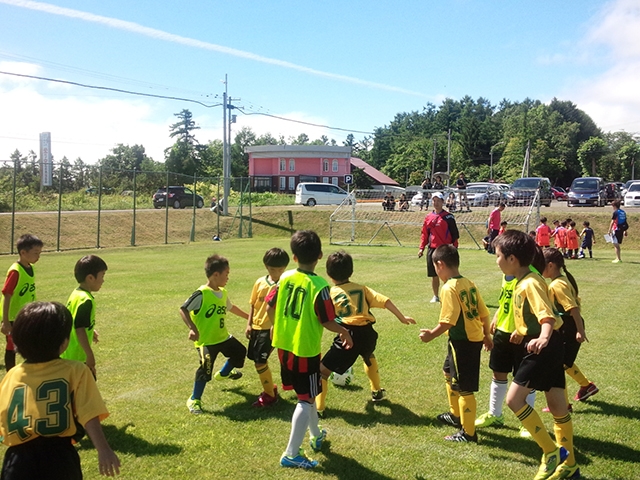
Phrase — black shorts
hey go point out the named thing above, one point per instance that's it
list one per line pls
(301, 374)
(619, 234)
(53, 458)
(338, 359)
(505, 356)
(545, 370)
(259, 346)
(463, 365)
(586, 244)
(431, 269)
(568, 330)
(230, 348)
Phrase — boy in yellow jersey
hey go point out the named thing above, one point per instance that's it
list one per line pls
(301, 307)
(205, 313)
(19, 289)
(507, 350)
(47, 403)
(464, 317)
(258, 329)
(542, 365)
(353, 303)
(89, 272)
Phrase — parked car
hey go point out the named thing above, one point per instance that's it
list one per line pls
(482, 194)
(559, 193)
(524, 190)
(587, 191)
(179, 197)
(312, 194)
(632, 197)
(625, 187)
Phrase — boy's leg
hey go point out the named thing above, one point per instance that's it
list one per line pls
(497, 394)
(235, 353)
(453, 397)
(321, 398)
(516, 400)
(10, 354)
(562, 423)
(266, 378)
(371, 370)
(468, 406)
(299, 424)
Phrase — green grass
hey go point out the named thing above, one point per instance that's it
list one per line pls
(146, 367)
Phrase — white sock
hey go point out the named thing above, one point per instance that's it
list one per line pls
(497, 395)
(299, 424)
(531, 398)
(314, 427)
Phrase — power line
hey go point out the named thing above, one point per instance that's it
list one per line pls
(96, 87)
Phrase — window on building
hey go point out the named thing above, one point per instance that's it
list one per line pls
(334, 165)
(325, 179)
(283, 183)
(334, 180)
(292, 183)
(292, 165)
(283, 164)
(325, 164)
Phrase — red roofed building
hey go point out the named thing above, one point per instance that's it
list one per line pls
(279, 168)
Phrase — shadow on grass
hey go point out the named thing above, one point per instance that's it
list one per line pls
(598, 407)
(347, 468)
(123, 442)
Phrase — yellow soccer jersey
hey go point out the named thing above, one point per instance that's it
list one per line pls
(531, 303)
(563, 295)
(48, 399)
(261, 289)
(463, 308)
(354, 301)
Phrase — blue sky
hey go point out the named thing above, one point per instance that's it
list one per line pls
(352, 65)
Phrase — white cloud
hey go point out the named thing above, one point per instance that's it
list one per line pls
(612, 98)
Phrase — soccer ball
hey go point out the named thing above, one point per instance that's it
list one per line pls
(343, 379)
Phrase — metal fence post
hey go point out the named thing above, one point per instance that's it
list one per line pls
(99, 205)
(133, 226)
(166, 211)
(192, 237)
(13, 205)
(59, 207)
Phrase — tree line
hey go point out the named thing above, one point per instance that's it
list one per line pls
(483, 140)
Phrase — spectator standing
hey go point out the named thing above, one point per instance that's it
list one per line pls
(493, 227)
(461, 183)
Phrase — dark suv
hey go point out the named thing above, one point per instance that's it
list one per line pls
(179, 197)
(524, 190)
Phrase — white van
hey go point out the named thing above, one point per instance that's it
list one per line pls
(312, 194)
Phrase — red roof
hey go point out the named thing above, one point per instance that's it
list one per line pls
(377, 175)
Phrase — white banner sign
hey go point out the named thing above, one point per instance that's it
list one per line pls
(46, 163)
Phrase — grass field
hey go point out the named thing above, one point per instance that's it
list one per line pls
(146, 367)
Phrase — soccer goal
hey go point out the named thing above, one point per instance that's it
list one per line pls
(384, 218)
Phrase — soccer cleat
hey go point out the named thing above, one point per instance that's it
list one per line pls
(462, 437)
(551, 461)
(435, 299)
(194, 405)
(565, 471)
(378, 395)
(488, 419)
(316, 442)
(616, 261)
(586, 392)
(450, 419)
(524, 433)
(233, 375)
(320, 413)
(266, 400)
(299, 461)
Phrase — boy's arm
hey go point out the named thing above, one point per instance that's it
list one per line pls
(486, 328)
(83, 340)
(6, 324)
(427, 335)
(193, 330)
(239, 312)
(108, 461)
(389, 305)
(345, 336)
(537, 344)
(247, 331)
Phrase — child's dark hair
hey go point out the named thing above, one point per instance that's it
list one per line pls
(275, 257)
(306, 246)
(585, 223)
(543, 219)
(518, 244)
(573, 224)
(340, 266)
(556, 221)
(27, 242)
(538, 262)
(447, 254)
(215, 263)
(553, 255)
(39, 330)
(89, 265)
(532, 233)
(503, 223)
(616, 203)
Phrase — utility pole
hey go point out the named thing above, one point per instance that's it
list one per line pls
(226, 161)
(448, 156)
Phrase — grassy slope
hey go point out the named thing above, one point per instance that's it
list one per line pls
(146, 366)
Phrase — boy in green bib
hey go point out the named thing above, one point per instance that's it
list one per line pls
(89, 272)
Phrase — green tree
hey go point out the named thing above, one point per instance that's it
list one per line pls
(183, 156)
(590, 153)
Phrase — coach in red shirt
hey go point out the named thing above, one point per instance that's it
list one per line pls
(493, 225)
(439, 228)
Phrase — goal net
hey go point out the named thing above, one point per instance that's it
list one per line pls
(376, 219)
